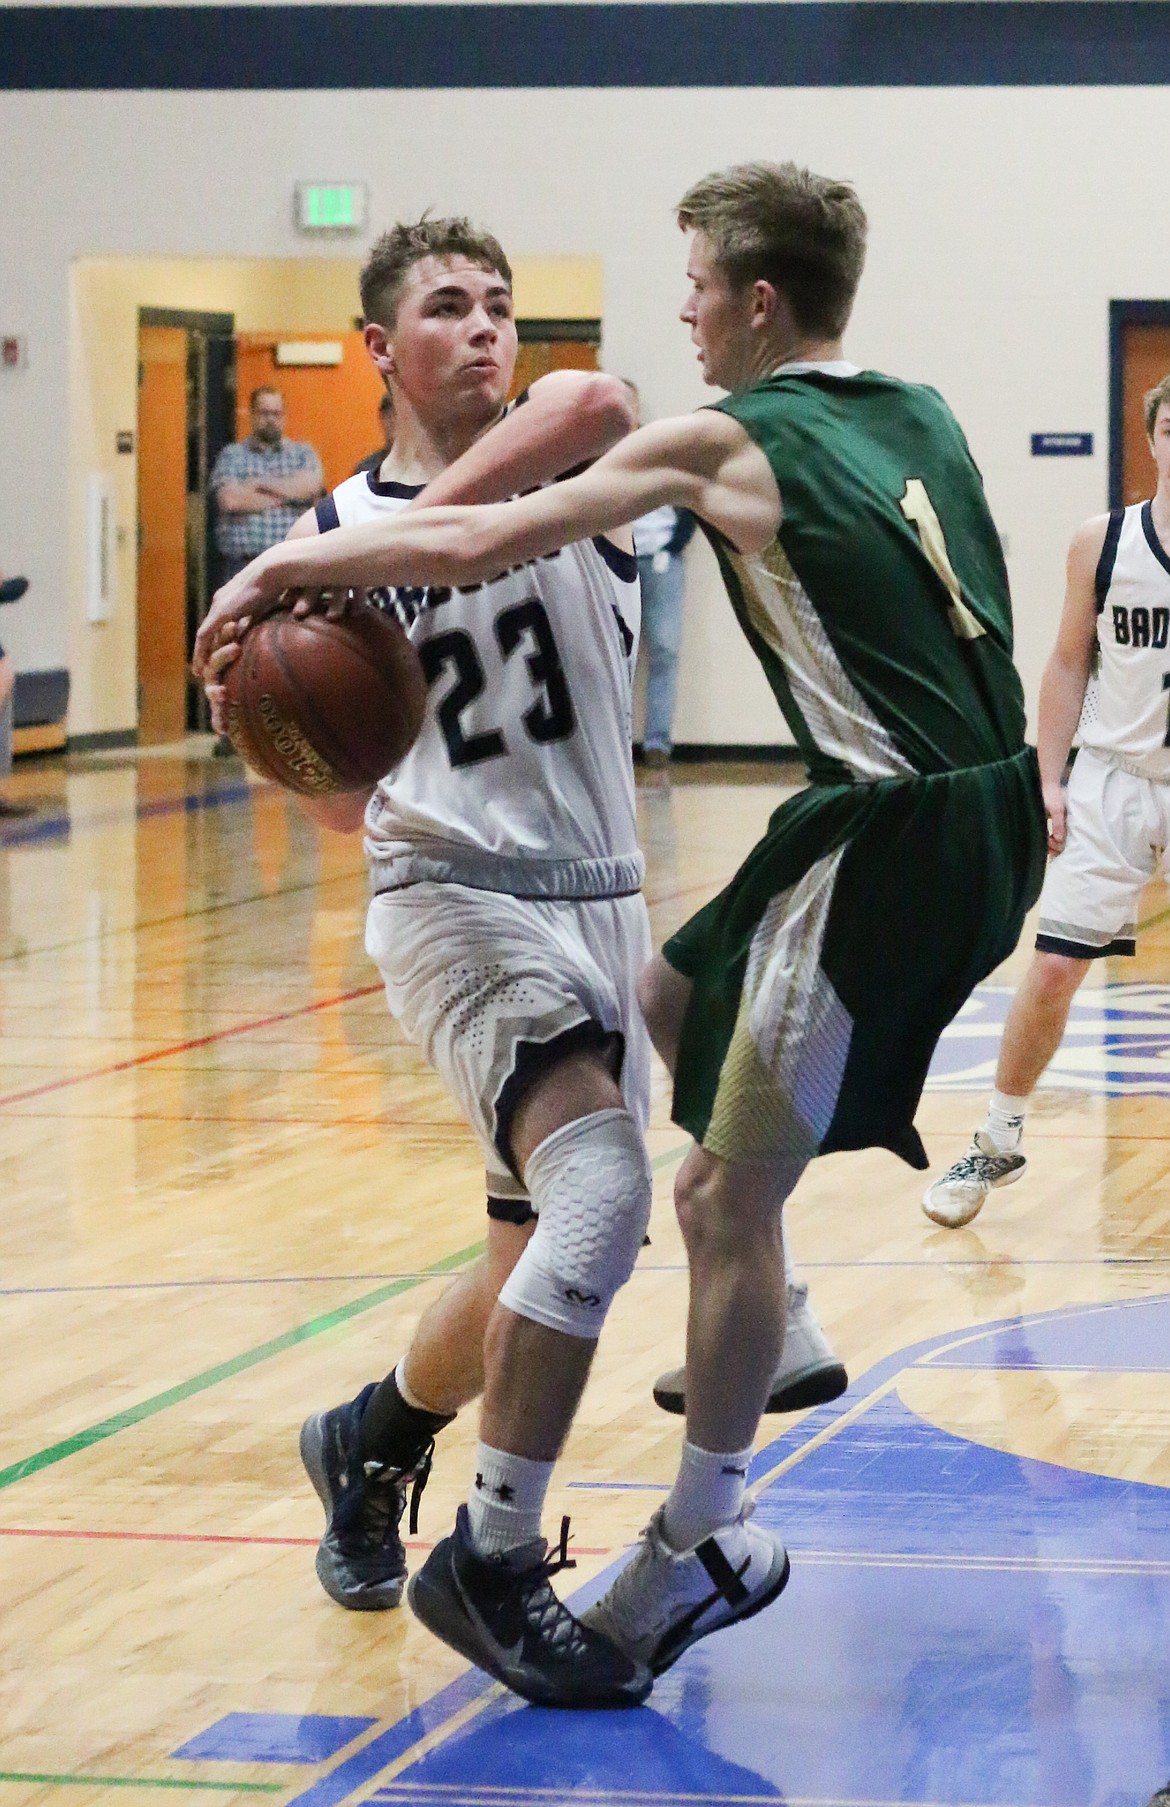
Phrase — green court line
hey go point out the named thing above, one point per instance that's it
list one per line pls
(210, 1377)
(20, 1775)
(1150, 921)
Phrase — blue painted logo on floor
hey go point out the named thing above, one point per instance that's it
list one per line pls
(1117, 1043)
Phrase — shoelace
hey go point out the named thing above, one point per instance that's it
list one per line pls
(548, 1616)
(384, 1498)
(977, 1166)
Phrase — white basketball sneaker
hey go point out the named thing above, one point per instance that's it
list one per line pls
(810, 1373)
(665, 1600)
(958, 1196)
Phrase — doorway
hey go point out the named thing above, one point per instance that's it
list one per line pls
(555, 345)
(186, 413)
(1139, 357)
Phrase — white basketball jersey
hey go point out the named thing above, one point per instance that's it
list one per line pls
(1127, 714)
(522, 778)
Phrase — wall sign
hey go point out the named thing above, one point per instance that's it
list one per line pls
(1062, 445)
(13, 352)
(331, 206)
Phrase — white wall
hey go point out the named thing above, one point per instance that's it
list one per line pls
(1003, 222)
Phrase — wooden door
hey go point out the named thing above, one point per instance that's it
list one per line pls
(1145, 360)
(162, 533)
(538, 356)
(332, 406)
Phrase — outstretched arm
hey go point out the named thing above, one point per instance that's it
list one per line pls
(1062, 688)
(702, 461)
(568, 417)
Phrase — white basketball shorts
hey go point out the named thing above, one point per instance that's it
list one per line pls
(1118, 836)
(491, 987)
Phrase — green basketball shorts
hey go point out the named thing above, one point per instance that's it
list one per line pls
(849, 938)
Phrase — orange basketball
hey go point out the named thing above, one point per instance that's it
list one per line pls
(325, 706)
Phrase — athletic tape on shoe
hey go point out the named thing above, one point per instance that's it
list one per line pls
(590, 1185)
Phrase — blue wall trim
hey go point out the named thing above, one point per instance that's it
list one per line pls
(818, 44)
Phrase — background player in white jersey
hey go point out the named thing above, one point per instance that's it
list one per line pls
(1109, 835)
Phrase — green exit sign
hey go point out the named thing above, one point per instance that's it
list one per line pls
(331, 206)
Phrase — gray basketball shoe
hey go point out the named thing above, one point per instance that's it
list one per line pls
(958, 1196)
(361, 1562)
(665, 1600)
(810, 1373)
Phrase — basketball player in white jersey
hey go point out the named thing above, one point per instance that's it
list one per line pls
(509, 928)
(1111, 833)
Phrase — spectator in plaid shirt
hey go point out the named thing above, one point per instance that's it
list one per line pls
(261, 485)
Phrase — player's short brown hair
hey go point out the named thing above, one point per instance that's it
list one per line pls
(776, 222)
(393, 255)
(1154, 399)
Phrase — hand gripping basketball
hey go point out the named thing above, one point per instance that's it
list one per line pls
(323, 706)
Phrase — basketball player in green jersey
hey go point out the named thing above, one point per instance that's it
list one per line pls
(798, 1010)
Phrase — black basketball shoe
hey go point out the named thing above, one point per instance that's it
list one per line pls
(360, 1560)
(501, 1613)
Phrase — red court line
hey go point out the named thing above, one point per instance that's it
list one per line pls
(297, 1543)
(200, 1041)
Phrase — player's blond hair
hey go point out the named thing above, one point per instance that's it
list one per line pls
(776, 222)
(1154, 399)
(393, 255)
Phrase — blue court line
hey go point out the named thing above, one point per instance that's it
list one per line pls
(381, 1751)
(62, 828)
(360, 1769)
(330, 1790)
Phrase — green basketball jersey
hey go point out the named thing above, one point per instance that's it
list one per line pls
(880, 612)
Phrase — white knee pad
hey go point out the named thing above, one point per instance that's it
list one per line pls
(590, 1185)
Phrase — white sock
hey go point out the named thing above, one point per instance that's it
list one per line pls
(707, 1493)
(1005, 1121)
(506, 1502)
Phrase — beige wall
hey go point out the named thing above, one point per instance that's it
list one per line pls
(1003, 221)
(286, 295)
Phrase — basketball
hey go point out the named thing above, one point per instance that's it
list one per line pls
(323, 706)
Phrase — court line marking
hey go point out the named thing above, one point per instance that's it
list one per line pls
(334, 1787)
(131, 1286)
(64, 827)
(1025, 1321)
(70, 1534)
(237, 1364)
(23, 1292)
(483, 1794)
(19, 1775)
(821, 1437)
(199, 1041)
(1023, 1565)
(863, 1559)
(250, 1358)
(176, 916)
(947, 1261)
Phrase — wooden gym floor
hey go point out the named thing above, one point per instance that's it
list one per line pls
(229, 1188)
